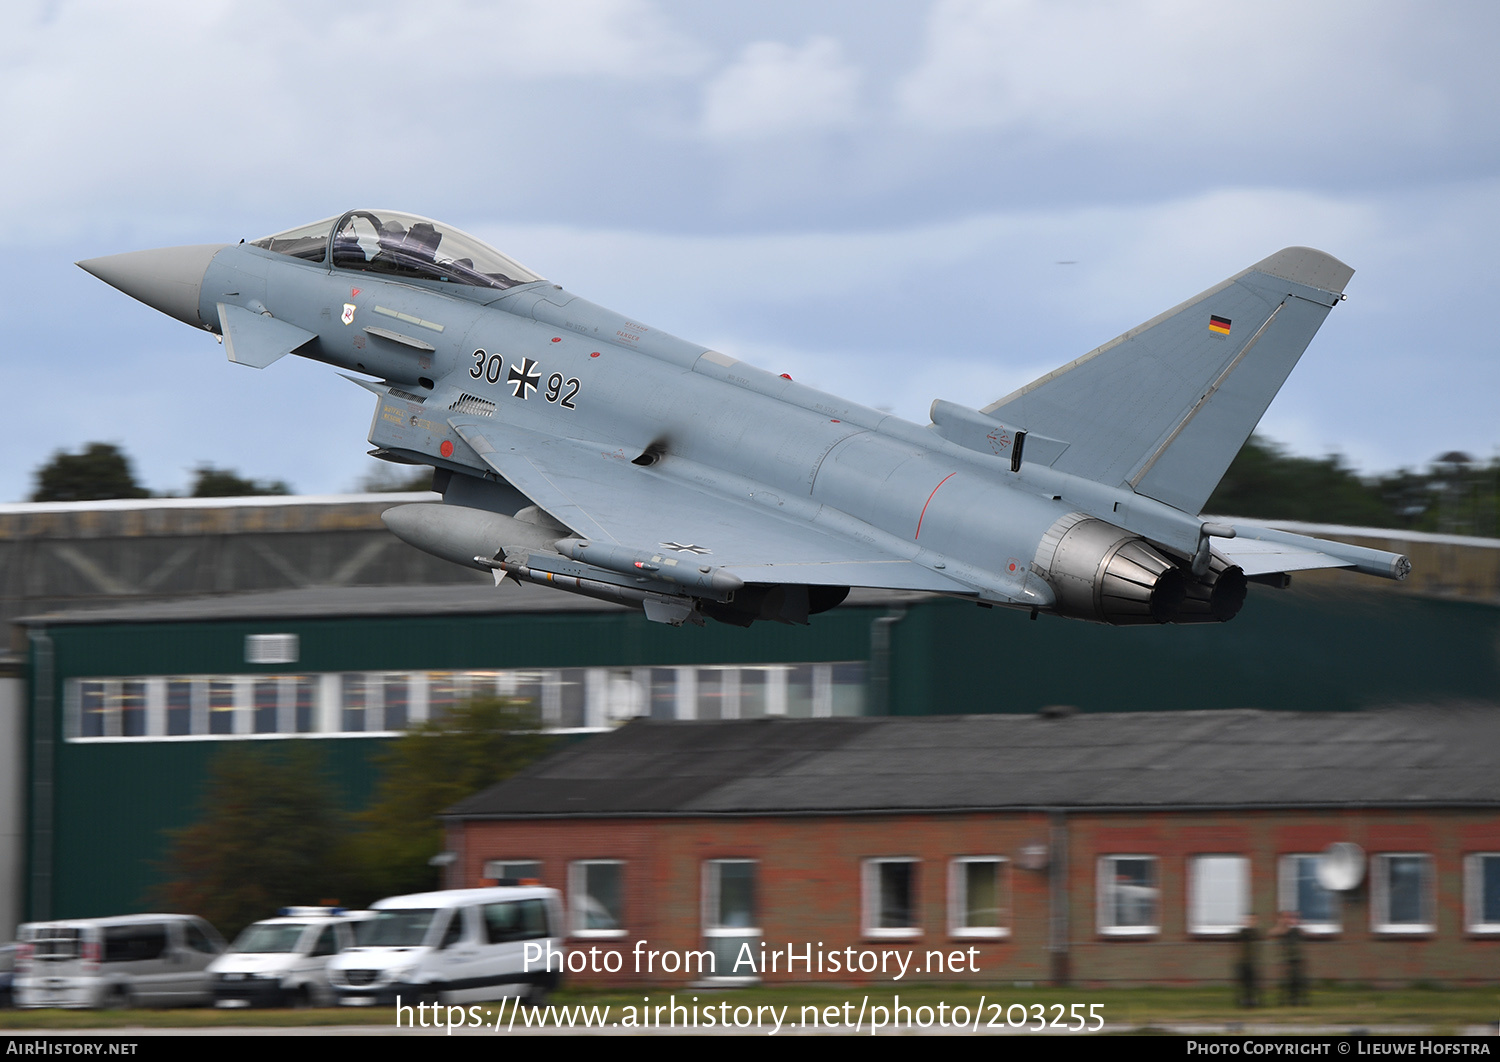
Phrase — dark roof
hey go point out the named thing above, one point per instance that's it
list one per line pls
(327, 602)
(1241, 758)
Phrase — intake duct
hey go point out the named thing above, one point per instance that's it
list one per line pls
(1103, 573)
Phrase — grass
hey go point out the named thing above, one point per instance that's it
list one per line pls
(1439, 1010)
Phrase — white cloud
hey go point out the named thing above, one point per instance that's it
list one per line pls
(776, 89)
(1258, 76)
(166, 104)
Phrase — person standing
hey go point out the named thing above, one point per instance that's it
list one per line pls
(1294, 973)
(1247, 968)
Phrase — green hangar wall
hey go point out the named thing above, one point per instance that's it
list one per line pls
(102, 801)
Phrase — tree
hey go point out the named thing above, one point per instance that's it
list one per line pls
(211, 482)
(99, 471)
(433, 766)
(1266, 482)
(271, 834)
(386, 479)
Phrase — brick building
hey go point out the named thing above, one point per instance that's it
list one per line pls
(1100, 849)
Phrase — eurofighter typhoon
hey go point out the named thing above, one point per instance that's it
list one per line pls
(583, 450)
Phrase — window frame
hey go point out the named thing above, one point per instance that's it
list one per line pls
(578, 887)
(871, 895)
(1104, 889)
(1474, 923)
(714, 931)
(1286, 896)
(958, 887)
(1380, 922)
(1209, 929)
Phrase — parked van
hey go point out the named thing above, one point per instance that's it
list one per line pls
(457, 946)
(283, 961)
(153, 960)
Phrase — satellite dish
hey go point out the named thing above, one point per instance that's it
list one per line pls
(1341, 867)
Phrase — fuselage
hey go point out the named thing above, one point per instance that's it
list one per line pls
(505, 383)
(560, 365)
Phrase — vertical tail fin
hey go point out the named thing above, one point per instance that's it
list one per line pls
(1164, 408)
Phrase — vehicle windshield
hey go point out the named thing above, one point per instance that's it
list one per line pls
(404, 245)
(403, 928)
(308, 242)
(263, 939)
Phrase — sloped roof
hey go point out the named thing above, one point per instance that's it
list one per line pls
(1410, 756)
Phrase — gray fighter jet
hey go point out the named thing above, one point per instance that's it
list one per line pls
(583, 450)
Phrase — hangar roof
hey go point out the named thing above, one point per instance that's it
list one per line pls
(1410, 756)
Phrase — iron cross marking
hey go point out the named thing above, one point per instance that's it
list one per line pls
(523, 379)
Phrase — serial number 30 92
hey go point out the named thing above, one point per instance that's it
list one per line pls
(1018, 1016)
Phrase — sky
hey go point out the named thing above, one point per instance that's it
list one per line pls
(891, 200)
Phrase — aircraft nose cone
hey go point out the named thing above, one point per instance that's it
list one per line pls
(168, 279)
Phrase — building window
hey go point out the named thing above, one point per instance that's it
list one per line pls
(271, 648)
(978, 897)
(1218, 894)
(890, 894)
(730, 915)
(304, 704)
(513, 869)
(1317, 909)
(396, 700)
(266, 700)
(179, 707)
(372, 703)
(221, 706)
(1128, 896)
(1482, 892)
(132, 708)
(1401, 893)
(595, 894)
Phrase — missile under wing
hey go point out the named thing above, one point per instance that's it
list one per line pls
(580, 449)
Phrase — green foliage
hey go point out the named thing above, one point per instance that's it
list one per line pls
(432, 767)
(1455, 495)
(1265, 481)
(270, 836)
(99, 471)
(390, 479)
(211, 482)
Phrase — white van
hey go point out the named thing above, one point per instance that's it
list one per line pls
(283, 961)
(457, 946)
(152, 960)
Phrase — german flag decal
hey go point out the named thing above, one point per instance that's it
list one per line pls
(1218, 325)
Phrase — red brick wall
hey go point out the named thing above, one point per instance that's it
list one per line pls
(809, 888)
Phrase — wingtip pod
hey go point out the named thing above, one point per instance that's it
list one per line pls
(1305, 265)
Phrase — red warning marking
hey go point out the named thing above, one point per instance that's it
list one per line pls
(557, 339)
(834, 420)
(785, 376)
(447, 448)
(353, 292)
(595, 354)
(928, 502)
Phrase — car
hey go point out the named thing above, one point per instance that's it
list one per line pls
(7, 974)
(283, 961)
(156, 960)
(454, 946)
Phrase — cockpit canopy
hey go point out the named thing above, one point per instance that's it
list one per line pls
(400, 245)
